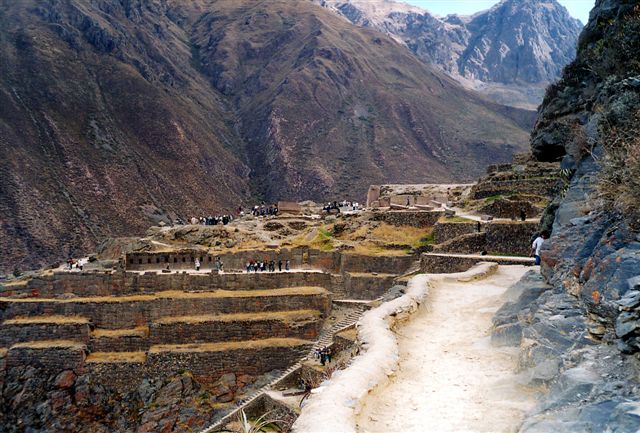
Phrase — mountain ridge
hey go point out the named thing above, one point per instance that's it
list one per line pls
(509, 52)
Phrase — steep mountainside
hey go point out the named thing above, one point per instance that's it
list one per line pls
(510, 52)
(114, 114)
(583, 330)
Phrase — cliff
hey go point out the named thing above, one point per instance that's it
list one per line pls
(578, 327)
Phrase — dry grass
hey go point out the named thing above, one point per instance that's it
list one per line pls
(398, 235)
(3, 352)
(375, 250)
(139, 331)
(286, 316)
(46, 320)
(230, 345)
(176, 294)
(49, 344)
(619, 179)
(367, 275)
(116, 357)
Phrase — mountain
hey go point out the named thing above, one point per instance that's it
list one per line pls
(510, 52)
(118, 114)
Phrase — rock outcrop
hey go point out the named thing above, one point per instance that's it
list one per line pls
(579, 328)
(510, 52)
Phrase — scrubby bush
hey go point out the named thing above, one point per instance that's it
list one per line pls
(619, 181)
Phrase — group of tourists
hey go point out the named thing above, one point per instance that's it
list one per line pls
(338, 206)
(323, 355)
(212, 220)
(79, 264)
(264, 210)
(267, 266)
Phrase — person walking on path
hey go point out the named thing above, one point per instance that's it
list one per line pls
(197, 263)
(537, 245)
(280, 265)
(286, 265)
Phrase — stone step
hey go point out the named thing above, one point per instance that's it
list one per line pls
(303, 324)
(116, 312)
(44, 327)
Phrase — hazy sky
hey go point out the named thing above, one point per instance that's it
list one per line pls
(577, 8)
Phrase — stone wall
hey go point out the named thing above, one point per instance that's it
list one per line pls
(445, 264)
(128, 283)
(505, 208)
(444, 231)
(121, 313)
(126, 343)
(206, 366)
(301, 258)
(48, 359)
(540, 186)
(471, 243)
(236, 330)
(420, 219)
(510, 237)
(15, 333)
(365, 286)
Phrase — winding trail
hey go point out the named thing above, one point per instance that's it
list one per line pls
(450, 378)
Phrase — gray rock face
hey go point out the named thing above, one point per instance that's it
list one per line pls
(510, 52)
(520, 41)
(591, 387)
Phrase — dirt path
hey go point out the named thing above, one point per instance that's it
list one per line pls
(450, 378)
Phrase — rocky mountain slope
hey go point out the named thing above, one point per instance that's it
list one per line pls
(511, 51)
(580, 328)
(117, 114)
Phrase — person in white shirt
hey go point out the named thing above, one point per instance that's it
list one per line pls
(537, 245)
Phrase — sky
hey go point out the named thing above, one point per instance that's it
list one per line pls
(577, 8)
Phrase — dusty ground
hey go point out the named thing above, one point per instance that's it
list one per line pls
(450, 378)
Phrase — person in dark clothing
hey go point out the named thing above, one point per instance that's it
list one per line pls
(523, 215)
(280, 265)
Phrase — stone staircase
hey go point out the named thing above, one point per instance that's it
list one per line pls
(325, 339)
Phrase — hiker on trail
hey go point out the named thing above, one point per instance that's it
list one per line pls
(523, 215)
(286, 265)
(537, 245)
(280, 265)
(197, 263)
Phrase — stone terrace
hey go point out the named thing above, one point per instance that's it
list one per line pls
(124, 326)
(149, 332)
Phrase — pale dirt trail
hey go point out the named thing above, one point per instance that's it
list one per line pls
(450, 378)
